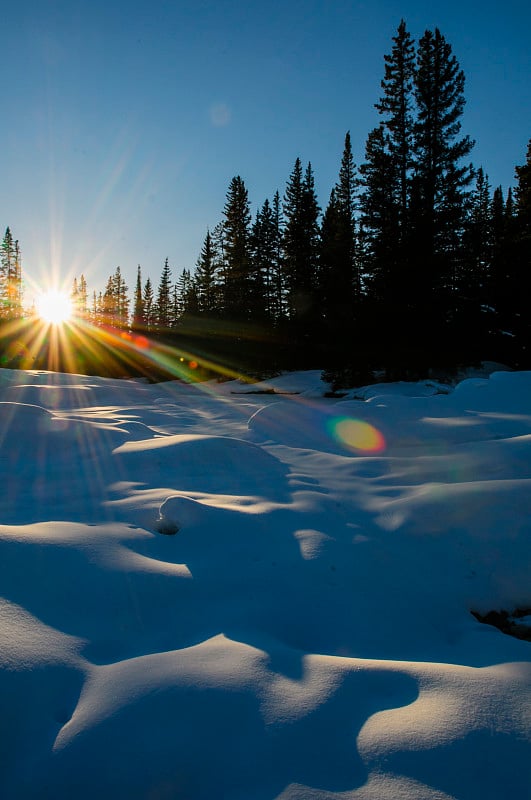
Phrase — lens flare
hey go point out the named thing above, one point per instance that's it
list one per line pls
(358, 435)
(16, 354)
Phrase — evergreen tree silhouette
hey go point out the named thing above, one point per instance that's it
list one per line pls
(236, 230)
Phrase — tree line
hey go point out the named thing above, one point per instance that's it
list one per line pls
(416, 262)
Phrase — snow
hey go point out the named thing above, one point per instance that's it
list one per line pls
(252, 591)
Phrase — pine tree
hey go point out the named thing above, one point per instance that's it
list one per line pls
(265, 246)
(94, 309)
(10, 280)
(99, 308)
(523, 198)
(311, 240)
(335, 288)
(164, 298)
(522, 261)
(293, 248)
(499, 292)
(396, 106)
(187, 291)
(499, 239)
(384, 261)
(301, 241)
(206, 278)
(478, 239)
(74, 297)
(439, 182)
(138, 320)
(17, 283)
(237, 287)
(474, 311)
(122, 299)
(278, 288)
(439, 195)
(175, 308)
(331, 278)
(339, 283)
(149, 306)
(380, 222)
(346, 192)
(220, 256)
(109, 306)
(114, 307)
(82, 306)
(385, 241)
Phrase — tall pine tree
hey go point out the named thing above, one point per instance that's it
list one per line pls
(522, 260)
(138, 320)
(339, 282)
(440, 181)
(237, 287)
(385, 232)
(396, 108)
(301, 259)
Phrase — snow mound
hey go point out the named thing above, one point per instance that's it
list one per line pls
(510, 390)
(188, 461)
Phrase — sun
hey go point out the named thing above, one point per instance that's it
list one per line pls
(54, 307)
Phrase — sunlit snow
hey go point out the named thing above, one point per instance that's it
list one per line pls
(208, 592)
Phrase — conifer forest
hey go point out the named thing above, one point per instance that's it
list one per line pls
(416, 263)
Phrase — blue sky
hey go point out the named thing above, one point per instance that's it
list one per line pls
(123, 123)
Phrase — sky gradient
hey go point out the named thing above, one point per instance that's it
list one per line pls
(123, 123)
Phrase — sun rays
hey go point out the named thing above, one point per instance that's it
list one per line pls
(56, 337)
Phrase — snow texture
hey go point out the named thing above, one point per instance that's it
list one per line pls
(208, 592)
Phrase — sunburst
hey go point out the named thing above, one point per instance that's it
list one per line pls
(54, 307)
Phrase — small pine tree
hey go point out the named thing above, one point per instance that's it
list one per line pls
(164, 298)
(149, 306)
(206, 277)
(138, 321)
(10, 288)
(82, 297)
(278, 279)
(187, 290)
(121, 306)
(17, 283)
(175, 308)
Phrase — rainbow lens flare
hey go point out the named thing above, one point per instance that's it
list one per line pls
(358, 435)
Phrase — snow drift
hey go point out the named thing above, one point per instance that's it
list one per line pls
(210, 593)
